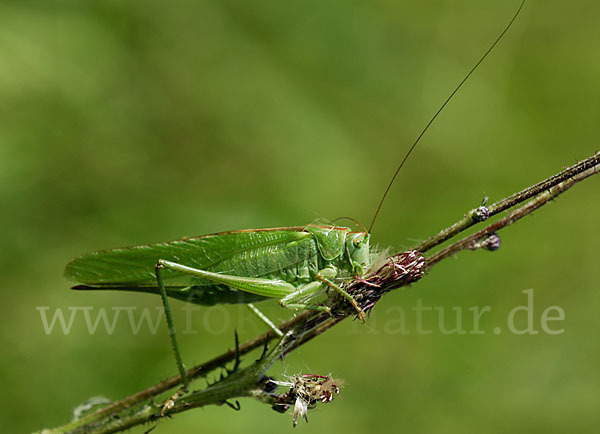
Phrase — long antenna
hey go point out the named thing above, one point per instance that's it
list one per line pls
(440, 110)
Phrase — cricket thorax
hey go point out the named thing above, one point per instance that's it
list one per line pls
(347, 250)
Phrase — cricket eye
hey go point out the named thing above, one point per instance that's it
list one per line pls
(357, 242)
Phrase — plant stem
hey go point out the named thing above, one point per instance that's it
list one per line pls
(474, 216)
(542, 199)
(240, 383)
(171, 382)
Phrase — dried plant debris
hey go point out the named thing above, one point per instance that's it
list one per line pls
(305, 392)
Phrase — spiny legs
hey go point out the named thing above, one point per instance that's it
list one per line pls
(292, 301)
(184, 379)
(171, 325)
(324, 277)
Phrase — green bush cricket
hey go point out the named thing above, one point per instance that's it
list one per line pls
(292, 264)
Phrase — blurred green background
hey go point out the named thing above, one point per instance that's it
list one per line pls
(132, 122)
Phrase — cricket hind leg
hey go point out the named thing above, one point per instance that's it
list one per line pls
(168, 404)
(276, 288)
(254, 285)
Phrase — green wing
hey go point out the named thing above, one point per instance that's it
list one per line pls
(255, 253)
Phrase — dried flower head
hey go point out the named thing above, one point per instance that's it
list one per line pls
(305, 392)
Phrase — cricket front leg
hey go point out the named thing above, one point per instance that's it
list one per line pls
(328, 273)
(292, 301)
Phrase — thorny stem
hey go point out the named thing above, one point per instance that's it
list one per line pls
(196, 372)
(134, 409)
(542, 199)
(474, 216)
(239, 383)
